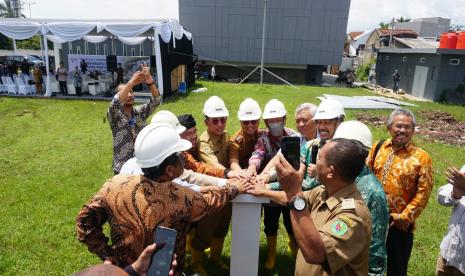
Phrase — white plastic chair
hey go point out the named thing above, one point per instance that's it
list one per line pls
(10, 86)
(27, 79)
(71, 88)
(24, 89)
(54, 86)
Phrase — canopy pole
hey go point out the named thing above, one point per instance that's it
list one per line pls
(14, 47)
(112, 46)
(158, 62)
(48, 91)
(41, 48)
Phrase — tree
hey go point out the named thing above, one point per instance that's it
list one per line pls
(8, 11)
(402, 19)
(383, 25)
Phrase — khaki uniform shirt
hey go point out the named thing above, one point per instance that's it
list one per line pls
(213, 150)
(344, 223)
(241, 147)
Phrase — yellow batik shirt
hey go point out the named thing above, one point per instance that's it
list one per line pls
(407, 179)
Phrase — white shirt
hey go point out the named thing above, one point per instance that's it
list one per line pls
(130, 168)
(453, 244)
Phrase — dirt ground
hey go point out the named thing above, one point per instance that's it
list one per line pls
(434, 126)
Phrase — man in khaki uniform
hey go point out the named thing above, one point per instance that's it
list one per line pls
(212, 149)
(332, 224)
(242, 143)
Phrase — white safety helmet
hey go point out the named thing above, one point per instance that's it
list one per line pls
(329, 109)
(355, 130)
(249, 110)
(214, 107)
(168, 117)
(155, 143)
(274, 109)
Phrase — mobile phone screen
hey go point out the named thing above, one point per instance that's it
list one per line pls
(290, 148)
(162, 258)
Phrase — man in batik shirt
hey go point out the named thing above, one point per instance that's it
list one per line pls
(126, 121)
(406, 173)
(134, 206)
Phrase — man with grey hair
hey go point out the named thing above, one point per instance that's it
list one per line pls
(304, 122)
(406, 174)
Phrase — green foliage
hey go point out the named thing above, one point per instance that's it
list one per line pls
(402, 19)
(55, 154)
(32, 43)
(363, 71)
(383, 25)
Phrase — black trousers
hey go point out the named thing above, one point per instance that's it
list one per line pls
(399, 246)
(63, 88)
(271, 219)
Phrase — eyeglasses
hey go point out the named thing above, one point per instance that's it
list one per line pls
(216, 121)
(251, 122)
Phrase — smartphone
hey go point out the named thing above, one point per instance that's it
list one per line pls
(162, 258)
(290, 148)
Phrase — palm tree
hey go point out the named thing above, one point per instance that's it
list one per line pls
(402, 19)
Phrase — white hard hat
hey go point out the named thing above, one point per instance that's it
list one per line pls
(274, 109)
(249, 110)
(214, 107)
(168, 117)
(329, 109)
(354, 130)
(155, 143)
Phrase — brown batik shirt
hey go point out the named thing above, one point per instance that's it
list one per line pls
(125, 130)
(134, 206)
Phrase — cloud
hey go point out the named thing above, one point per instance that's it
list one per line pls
(104, 9)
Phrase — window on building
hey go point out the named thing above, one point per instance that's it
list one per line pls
(454, 61)
(423, 60)
(78, 50)
(97, 49)
(404, 59)
(133, 51)
(105, 49)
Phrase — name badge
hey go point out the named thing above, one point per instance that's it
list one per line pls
(348, 203)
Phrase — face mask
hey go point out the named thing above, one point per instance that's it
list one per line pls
(276, 129)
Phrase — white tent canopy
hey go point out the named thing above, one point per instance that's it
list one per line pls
(129, 32)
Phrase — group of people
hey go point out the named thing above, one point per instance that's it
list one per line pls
(350, 208)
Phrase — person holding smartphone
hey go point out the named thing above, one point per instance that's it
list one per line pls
(134, 206)
(126, 121)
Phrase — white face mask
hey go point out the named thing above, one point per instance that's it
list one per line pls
(276, 129)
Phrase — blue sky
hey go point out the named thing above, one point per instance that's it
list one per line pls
(364, 14)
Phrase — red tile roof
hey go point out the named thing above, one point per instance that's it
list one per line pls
(353, 35)
(397, 32)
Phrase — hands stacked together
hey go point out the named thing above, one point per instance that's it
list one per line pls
(247, 181)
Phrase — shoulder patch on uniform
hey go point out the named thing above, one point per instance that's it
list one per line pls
(347, 220)
(339, 227)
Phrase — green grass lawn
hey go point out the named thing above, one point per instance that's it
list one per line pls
(55, 154)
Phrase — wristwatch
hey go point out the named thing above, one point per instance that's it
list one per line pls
(297, 203)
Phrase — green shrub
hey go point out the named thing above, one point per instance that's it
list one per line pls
(363, 71)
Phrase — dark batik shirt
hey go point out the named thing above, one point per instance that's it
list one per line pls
(125, 130)
(134, 206)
